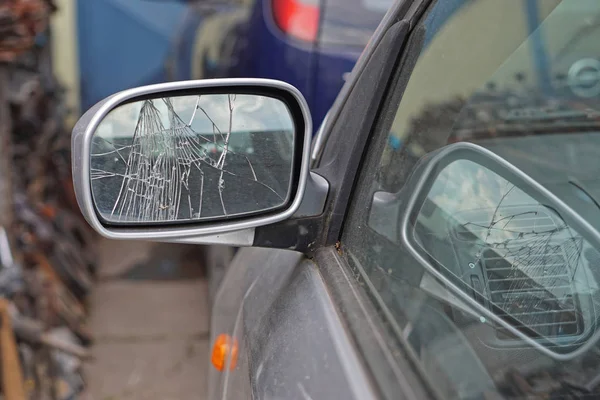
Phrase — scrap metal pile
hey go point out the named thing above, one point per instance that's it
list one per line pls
(47, 263)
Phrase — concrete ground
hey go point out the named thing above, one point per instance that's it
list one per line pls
(150, 317)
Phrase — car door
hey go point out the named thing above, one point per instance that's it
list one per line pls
(404, 326)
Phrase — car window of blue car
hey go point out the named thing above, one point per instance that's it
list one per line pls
(520, 78)
(351, 22)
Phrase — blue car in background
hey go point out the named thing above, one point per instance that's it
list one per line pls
(123, 44)
(311, 44)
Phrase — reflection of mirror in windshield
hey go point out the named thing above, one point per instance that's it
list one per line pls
(518, 257)
(190, 158)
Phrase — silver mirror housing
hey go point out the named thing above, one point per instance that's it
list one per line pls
(160, 162)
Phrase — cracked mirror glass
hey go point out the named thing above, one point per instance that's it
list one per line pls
(192, 158)
(516, 256)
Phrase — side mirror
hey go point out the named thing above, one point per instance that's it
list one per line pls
(198, 161)
(524, 260)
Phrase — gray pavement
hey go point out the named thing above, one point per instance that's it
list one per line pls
(150, 317)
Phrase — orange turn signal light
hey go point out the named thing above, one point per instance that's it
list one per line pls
(225, 349)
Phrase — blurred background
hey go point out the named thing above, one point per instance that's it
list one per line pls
(84, 317)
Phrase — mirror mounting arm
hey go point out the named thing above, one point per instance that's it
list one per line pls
(315, 195)
(303, 231)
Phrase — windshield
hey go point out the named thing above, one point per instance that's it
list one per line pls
(520, 78)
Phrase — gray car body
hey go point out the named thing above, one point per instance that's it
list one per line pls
(306, 329)
(293, 344)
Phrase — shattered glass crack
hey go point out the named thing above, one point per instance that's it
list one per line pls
(170, 172)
